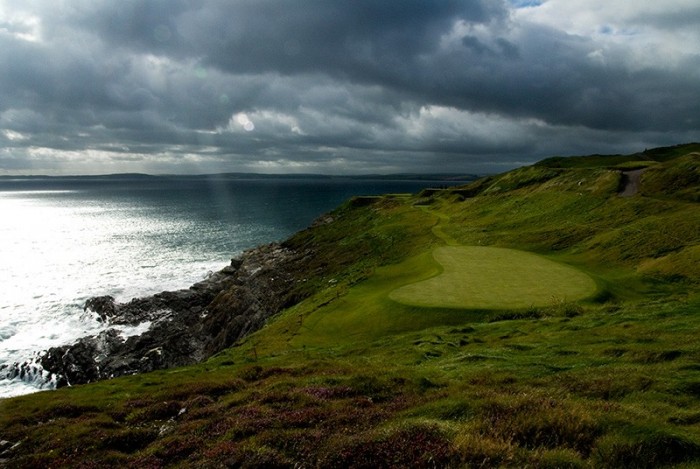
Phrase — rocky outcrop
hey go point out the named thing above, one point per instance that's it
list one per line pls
(187, 326)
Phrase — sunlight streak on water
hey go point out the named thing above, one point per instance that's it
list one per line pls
(57, 253)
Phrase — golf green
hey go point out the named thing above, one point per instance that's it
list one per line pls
(495, 278)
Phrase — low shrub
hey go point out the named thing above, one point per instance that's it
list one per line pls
(540, 423)
(178, 447)
(607, 386)
(417, 445)
(529, 313)
(475, 450)
(644, 450)
(65, 410)
(370, 386)
(652, 356)
(213, 390)
(158, 411)
(554, 459)
(130, 440)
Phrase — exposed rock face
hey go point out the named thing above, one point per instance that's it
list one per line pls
(187, 325)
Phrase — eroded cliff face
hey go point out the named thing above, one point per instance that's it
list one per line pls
(187, 326)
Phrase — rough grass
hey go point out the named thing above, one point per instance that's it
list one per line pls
(475, 277)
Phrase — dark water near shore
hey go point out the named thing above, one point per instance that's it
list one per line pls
(63, 240)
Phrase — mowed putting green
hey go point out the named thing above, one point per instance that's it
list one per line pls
(476, 277)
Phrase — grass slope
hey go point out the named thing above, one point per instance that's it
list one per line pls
(350, 378)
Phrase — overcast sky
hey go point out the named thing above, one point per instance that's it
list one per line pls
(337, 86)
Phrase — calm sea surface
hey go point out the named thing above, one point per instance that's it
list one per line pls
(65, 240)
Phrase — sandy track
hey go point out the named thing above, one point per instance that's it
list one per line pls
(630, 181)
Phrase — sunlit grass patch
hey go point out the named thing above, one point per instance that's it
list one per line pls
(495, 278)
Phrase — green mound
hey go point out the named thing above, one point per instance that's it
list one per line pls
(476, 277)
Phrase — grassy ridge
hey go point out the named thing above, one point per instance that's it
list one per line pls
(642, 159)
(350, 378)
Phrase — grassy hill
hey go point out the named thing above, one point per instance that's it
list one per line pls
(601, 368)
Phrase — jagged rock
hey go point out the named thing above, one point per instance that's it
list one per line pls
(7, 449)
(29, 370)
(236, 264)
(80, 362)
(102, 305)
(188, 325)
(244, 308)
(73, 364)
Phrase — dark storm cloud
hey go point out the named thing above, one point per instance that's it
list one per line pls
(256, 36)
(336, 86)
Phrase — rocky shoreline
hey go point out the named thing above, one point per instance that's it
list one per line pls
(186, 326)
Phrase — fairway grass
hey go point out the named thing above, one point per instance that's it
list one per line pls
(495, 278)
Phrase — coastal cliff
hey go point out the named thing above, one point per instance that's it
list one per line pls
(186, 326)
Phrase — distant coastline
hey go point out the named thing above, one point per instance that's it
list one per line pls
(451, 177)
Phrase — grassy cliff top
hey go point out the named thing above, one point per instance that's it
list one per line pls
(646, 157)
(351, 377)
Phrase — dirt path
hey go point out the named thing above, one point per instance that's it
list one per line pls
(630, 182)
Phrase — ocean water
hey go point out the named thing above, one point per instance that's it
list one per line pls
(65, 240)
